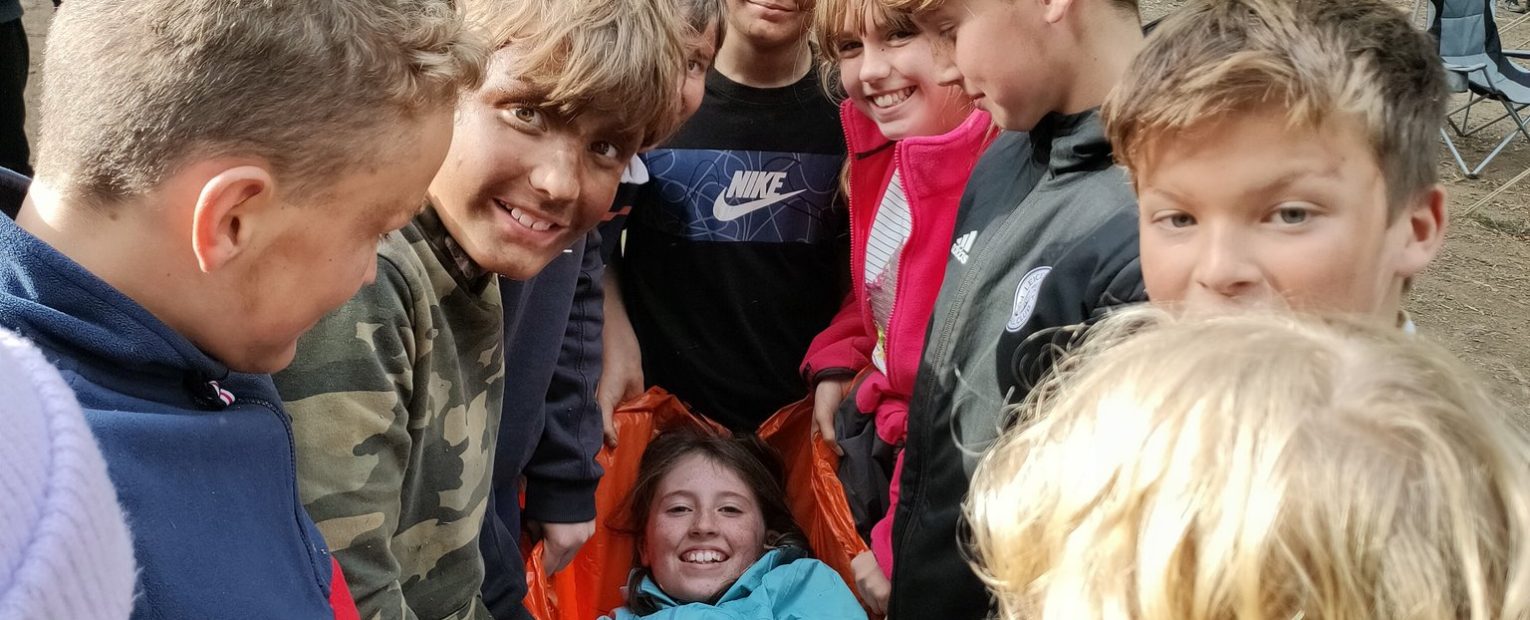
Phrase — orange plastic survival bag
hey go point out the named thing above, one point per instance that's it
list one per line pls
(813, 490)
(592, 584)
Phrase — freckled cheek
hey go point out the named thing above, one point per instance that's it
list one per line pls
(505, 159)
(487, 144)
(1350, 277)
(663, 540)
(848, 72)
(1164, 265)
(1323, 258)
(1306, 273)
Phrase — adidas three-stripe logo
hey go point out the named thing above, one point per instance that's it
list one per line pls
(963, 246)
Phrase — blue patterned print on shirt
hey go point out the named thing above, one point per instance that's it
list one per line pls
(752, 196)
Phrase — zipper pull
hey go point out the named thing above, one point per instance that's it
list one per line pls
(209, 394)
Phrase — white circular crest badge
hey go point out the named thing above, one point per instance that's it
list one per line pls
(1025, 298)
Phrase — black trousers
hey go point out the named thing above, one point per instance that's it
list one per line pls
(14, 58)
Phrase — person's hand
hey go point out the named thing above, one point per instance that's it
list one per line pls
(622, 375)
(826, 399)
(872, 585)
(560, 541)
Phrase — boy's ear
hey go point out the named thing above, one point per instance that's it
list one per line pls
(220, 227)
(1053, 11)
(1426, 222)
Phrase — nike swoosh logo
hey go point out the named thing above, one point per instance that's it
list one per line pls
(725, 212)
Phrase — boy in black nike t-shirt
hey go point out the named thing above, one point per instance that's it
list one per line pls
(735, 256)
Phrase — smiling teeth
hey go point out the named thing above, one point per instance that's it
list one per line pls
(530, 222)
(894, 98)
(703, 557)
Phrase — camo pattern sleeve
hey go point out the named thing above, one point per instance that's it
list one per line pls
(395, 399)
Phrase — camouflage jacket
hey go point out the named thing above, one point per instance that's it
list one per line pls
(395, 400)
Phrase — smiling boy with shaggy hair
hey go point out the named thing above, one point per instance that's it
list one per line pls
(212, 179)
(1284, 154)
(396, 398)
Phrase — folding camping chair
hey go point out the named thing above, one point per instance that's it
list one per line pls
(1474, 55)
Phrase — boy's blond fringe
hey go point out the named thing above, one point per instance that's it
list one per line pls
(1318, 63)
(1256, 467)
(622, 59)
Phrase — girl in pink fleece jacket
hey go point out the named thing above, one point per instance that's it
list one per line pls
(913, 143)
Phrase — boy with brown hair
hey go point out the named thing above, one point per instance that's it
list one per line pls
(1284, 154)
(212, 178)
(1045, 240)
(396, 398)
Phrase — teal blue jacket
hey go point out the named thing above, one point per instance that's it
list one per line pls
(783, 584)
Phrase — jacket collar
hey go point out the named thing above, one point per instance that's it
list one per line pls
(740, 588)
(861, 133)
(448, 252)
(864, 138)
(93, 327)
(1067, 143)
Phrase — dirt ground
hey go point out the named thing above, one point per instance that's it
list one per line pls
(1475, 299)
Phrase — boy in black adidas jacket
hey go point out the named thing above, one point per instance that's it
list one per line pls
(1046, 240)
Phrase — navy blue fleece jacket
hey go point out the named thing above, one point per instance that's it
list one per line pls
(551, 427)
(201, 457)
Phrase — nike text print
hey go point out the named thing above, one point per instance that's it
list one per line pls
(752, 196)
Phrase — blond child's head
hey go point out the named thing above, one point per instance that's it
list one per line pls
(230, 164)
(573, 89)
(1284, 153)
(1256, 467)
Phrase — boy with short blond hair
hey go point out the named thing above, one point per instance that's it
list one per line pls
(84, 122)
(212, 179)
(1044, 242)
(396, 398)
(1284, 154)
